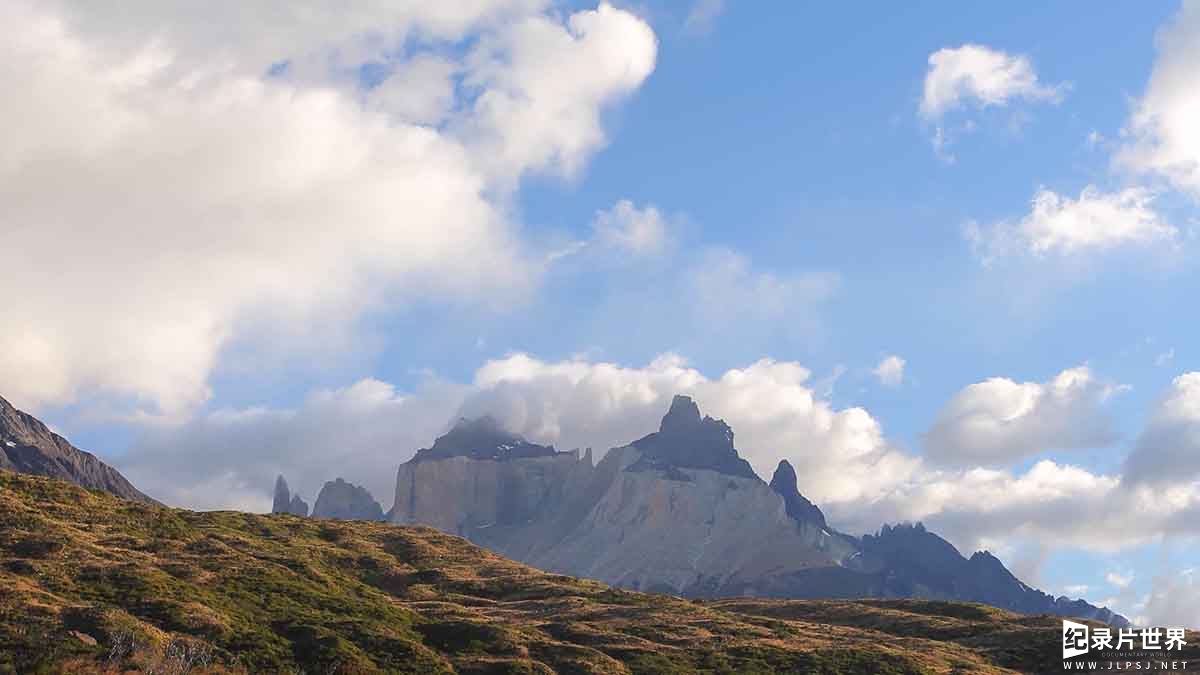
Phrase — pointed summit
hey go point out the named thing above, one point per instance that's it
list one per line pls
(285, 501)
(298, 507)
(687, 440)
(283, 496)
(683, 414)
(798, 508)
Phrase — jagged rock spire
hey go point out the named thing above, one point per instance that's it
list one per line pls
(298, 507)
(285, 501)
(686, 440)
(798, 508)
(283, 496)
(683, 414)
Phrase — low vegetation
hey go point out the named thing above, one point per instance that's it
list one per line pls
(94, 584)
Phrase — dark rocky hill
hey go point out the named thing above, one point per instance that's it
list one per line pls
(28, 446)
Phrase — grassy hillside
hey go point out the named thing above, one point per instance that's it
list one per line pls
(92, 583)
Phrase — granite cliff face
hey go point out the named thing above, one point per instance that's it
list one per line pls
(28, 446)
(339, 500)
(485, 484)
(679, 511)
(688, 531)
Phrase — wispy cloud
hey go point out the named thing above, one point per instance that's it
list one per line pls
(702, 17)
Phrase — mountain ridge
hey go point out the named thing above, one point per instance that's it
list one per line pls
(92, 584)
(27, 445)
(679, 511)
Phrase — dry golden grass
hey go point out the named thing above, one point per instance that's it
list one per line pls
(93, 584)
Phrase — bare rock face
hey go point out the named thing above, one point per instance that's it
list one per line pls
(285, 501)
(28, 446)
(490, 487)
(675, 511)
(340, 500)
(694, 532)
(679, 511)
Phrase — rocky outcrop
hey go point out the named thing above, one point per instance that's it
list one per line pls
(339, 500)
(686, 440)
(298, 507)
(28, 446)
(798, 508)
(679, 511)
(286, 502)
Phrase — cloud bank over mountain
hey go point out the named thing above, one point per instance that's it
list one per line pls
(843, 460)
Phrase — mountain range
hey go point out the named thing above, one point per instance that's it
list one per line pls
(91, 584)
(677, 511)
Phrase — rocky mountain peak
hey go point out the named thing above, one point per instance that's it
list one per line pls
(986, 559)
(911, 542)
(283, 495)
(639, 517)
(482, 438)
(340, 500)
(285, 501)
(298, 507)
(683, 414)
(29, 446)
(686, 440)
(798, 508)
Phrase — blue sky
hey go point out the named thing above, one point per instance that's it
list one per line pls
(800, 209)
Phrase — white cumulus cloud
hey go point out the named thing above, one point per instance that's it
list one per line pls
(363, 432)
(1168, 449)
(890, 371)
(162, 197)
(976, 76)
(981, 76)
(1057, 224)
(1065, 505)
(999, 421)
(1162, 137)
